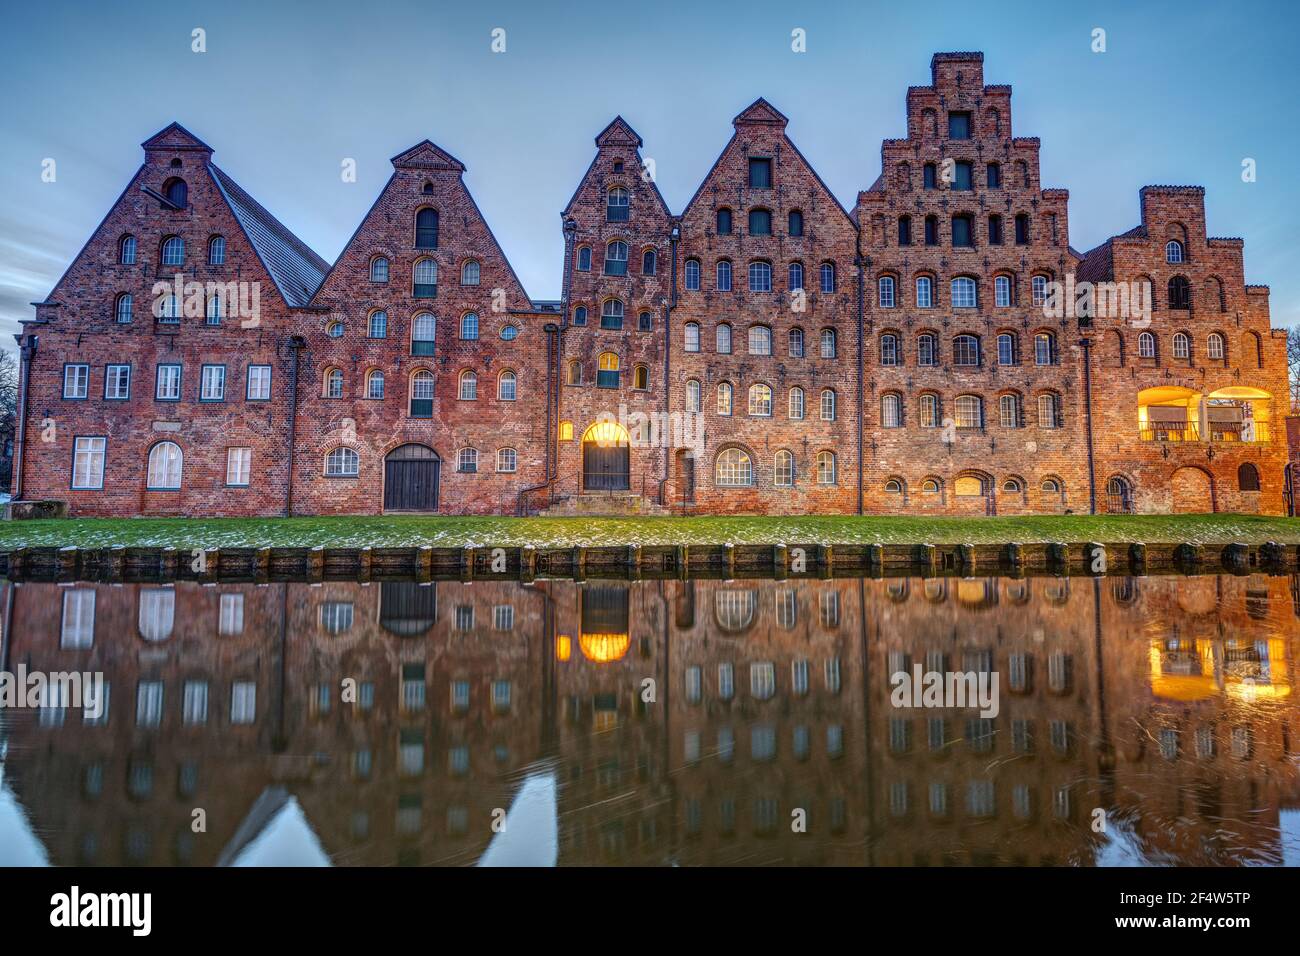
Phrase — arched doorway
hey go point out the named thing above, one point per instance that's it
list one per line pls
(411, 478)
(1193, 491)
(606, 458)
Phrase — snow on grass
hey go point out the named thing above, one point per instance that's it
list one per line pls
(410, 531)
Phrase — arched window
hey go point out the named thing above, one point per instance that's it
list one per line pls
(825, 468)
(168, 310)
(1049, 411)
(177, 192)
(173, 251)
(124, 307)
(214, 313)
(375, 384)
(930, 486)
(968, 486)
(165, 461)
(333, 384)
(828, 405)
(760, 400)
(691, 337)
(1038, 290)
(885, 292)
(1008, 351)
(216, 251)
(574, 372)
(734, 468)
(1214, 347)
(1045, 349)
(928, 410)
(722, 339)
(507, 460)
(1146, 345)
(1022, 223)
(1050, 487)
(964, 293)
(617, 208)
(126, 250)
(693, 403)
(422, 393)
(616, 258)
(377, 327)
(692, 275)
(1182, 345)
(828, 343)
(893, 487)
(580, 315)
(891, 411)
(1119, 496)
(795, 339)
(795, 276)
(924, 292)
(724, 398)
(970, 411)
(724, 275)
(889, 353)
(1173, 251)
(1247, 477)
(1180, 293)
(584, 259)
(828, 277)
(760, 277)
(649, 262)
(611, 314)
(334, 330)
(379, 269)
(426, 229)
(470, 272)
(640, 377)
(424, 276)
(468, 386)
(423, 329)
(927, 349)
(760, 340)
(724, 222)
(607, 370)
(1002, 292)
(796, 403)
(467, 460)
(645, 322)
(760, 222)
(966, 350)
(783, 469)
(507, 384)
(1009, 411)
(795, 222)
(342, 463)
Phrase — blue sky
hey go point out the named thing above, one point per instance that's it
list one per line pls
(286, 91)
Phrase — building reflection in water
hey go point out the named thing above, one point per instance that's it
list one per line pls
(670, 721)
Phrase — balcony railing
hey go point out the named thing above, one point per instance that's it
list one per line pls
(1171, 432)
(1255, 434)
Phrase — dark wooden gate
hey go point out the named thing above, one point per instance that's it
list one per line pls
(407, 608)
(411, 479)
(606, 468)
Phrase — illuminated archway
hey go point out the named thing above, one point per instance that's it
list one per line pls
(606, 457)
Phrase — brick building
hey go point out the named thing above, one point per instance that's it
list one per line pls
(942, 349)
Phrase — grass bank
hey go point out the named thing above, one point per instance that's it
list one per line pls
(409, 531)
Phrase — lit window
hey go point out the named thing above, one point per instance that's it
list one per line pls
(88, 463)
(760, 400)
(1044, 349)
(724, 398)
(165, 461)
(970, 411)
(607, 370)
(734, 468)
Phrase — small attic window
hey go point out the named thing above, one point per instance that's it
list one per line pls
(618, 165)
(176, 192)
(427, 189)
(176, 163)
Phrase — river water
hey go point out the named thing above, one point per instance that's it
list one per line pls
(1126, 721)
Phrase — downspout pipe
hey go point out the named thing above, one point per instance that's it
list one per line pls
(26, 353)
(674, 237)
(861, 373)
(296, 344)
(1086, 344)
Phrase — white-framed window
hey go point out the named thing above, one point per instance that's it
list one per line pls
(1214, 347)
(243, 702)
(503, 617)
(1009, 411)
(891, 411)
(829, 343)
(797, 403)
(760, 277)
(377, 326)
(796, 343)
(173, 251)
(117, 382)
(336, 617)
(76, 381)
(1146, 345)
(724, 398)
(734, 468)
(215, 313)
(374, 384)
(928, 412)
(342, 463)
(927, 349)
(762, 680)
(88, 463)
(970, 411)
(149, 703)
(1048, 411)
(216, 251)
(826, 468)
(1182, 345)
(507, 459)
(1044, 349)
(691, 337)
(828, 277)
(794, 277)
(924, 292)
(964, 293)
(165, 461)
(760, 340)
(212, 385)
(169, 383)
(726, 680)
(1002, 292)
(828, 405)
(378, 269)
(1007, 349)
(783, 469)
(468, 386)
(724, 275)
(469, 272)
(1173, 251)
(334, 383)
(157, 613)
(467, 460)
(760, 400)
(692, 275)
(1038, 290)
(886, 292)
(239, 463)
(77, 632)
(889, 349)
(194, 703)
(124, 309)
(258, 388)
(230, 615)
(168, 309)
(507, 386)
(693, 396)
(966, 350)
(126, 250)
(617, 205)
(722, 339)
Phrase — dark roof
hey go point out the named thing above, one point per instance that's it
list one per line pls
(296, 271)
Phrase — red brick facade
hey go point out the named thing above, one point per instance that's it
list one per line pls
(765, 351)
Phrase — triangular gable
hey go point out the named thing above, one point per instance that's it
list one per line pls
(618, 133)
(175, 137)
(428, 155)
(760, 113)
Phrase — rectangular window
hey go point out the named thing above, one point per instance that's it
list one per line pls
(169, 383)
(194, 703)
(239, 462)
(117, 382)
(760, 174)
(149, 703)
(88, 463)
(962, 232)
(959, 126)
(259, 383)
(964, 178)
(230, 615)
(76, 381)
(995, 230)
(243, 702)
(212, 387)
(78, 632)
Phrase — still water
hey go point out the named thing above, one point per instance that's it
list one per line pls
(1140, 721)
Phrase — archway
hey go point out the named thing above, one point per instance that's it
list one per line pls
(411, 474)
(606, 458)
(1193, 491)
